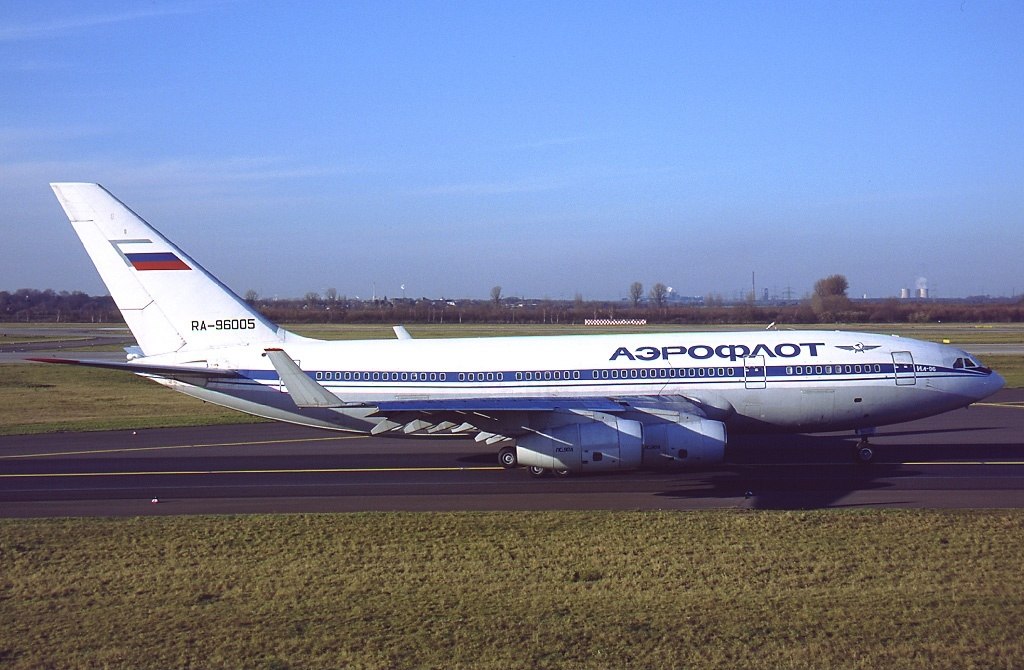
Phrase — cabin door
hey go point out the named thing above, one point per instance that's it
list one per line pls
(903, 368)
(755, 374)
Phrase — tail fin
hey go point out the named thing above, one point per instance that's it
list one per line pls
(169, 301)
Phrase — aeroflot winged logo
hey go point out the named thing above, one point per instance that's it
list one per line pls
(858, 348)
(149, 260)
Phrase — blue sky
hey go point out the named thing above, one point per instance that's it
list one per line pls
(549, 148)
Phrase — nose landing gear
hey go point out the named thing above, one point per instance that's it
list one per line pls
(863, 452)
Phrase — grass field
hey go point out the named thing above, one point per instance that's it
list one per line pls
(36, 398)
(853, 589)
(715, 589)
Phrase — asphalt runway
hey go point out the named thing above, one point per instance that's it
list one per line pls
(971, 458)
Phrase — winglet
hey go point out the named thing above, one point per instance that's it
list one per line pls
(303, 390)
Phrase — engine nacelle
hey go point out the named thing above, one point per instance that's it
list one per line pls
(690, 440)
(605, 443)
(613, 443)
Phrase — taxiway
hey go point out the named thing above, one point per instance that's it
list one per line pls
(964, 459)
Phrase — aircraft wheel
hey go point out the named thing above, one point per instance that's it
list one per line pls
(863, 453)
(507, 457)
(562, 472)
(537, 471)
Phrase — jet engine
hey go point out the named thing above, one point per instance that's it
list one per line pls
(606, 442)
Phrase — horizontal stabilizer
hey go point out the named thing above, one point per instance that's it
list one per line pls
(171, 371)
(304, 391)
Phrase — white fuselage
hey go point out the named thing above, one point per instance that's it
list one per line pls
(787, 380)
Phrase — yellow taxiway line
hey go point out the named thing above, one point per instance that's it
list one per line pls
(125, 450)
(276, 471)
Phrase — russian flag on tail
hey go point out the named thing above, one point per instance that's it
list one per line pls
(164, 260)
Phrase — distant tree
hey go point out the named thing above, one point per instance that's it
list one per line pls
(659, 295)
(312, 297)
(332, 294)
(496, 295)
(829, 298)
(251, 296)
(832, 285)
(636, 292)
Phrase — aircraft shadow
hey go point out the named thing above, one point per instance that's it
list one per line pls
(788, 487)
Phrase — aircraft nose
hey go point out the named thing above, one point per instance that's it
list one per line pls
(996, 382)
(988, 385)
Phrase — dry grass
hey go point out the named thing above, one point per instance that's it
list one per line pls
(36, 398)
(516, 590)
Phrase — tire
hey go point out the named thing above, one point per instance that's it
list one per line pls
(864, 454)
(507, 457)
(537, 471)
(562, 472)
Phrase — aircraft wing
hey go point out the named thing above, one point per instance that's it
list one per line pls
(492, 419)
(510, 404)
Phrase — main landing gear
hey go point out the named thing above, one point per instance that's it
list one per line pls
(536, 471)
(507, 457)
(863, 453)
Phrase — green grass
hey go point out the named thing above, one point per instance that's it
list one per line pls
(853, 589)
(1010, 367)
(36, 398)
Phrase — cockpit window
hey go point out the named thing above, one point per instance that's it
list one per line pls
(968, 363)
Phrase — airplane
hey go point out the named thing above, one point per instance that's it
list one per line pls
(552, 404)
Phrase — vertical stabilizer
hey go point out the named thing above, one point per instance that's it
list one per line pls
(169, 301)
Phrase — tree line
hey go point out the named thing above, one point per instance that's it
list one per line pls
(828, 304)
